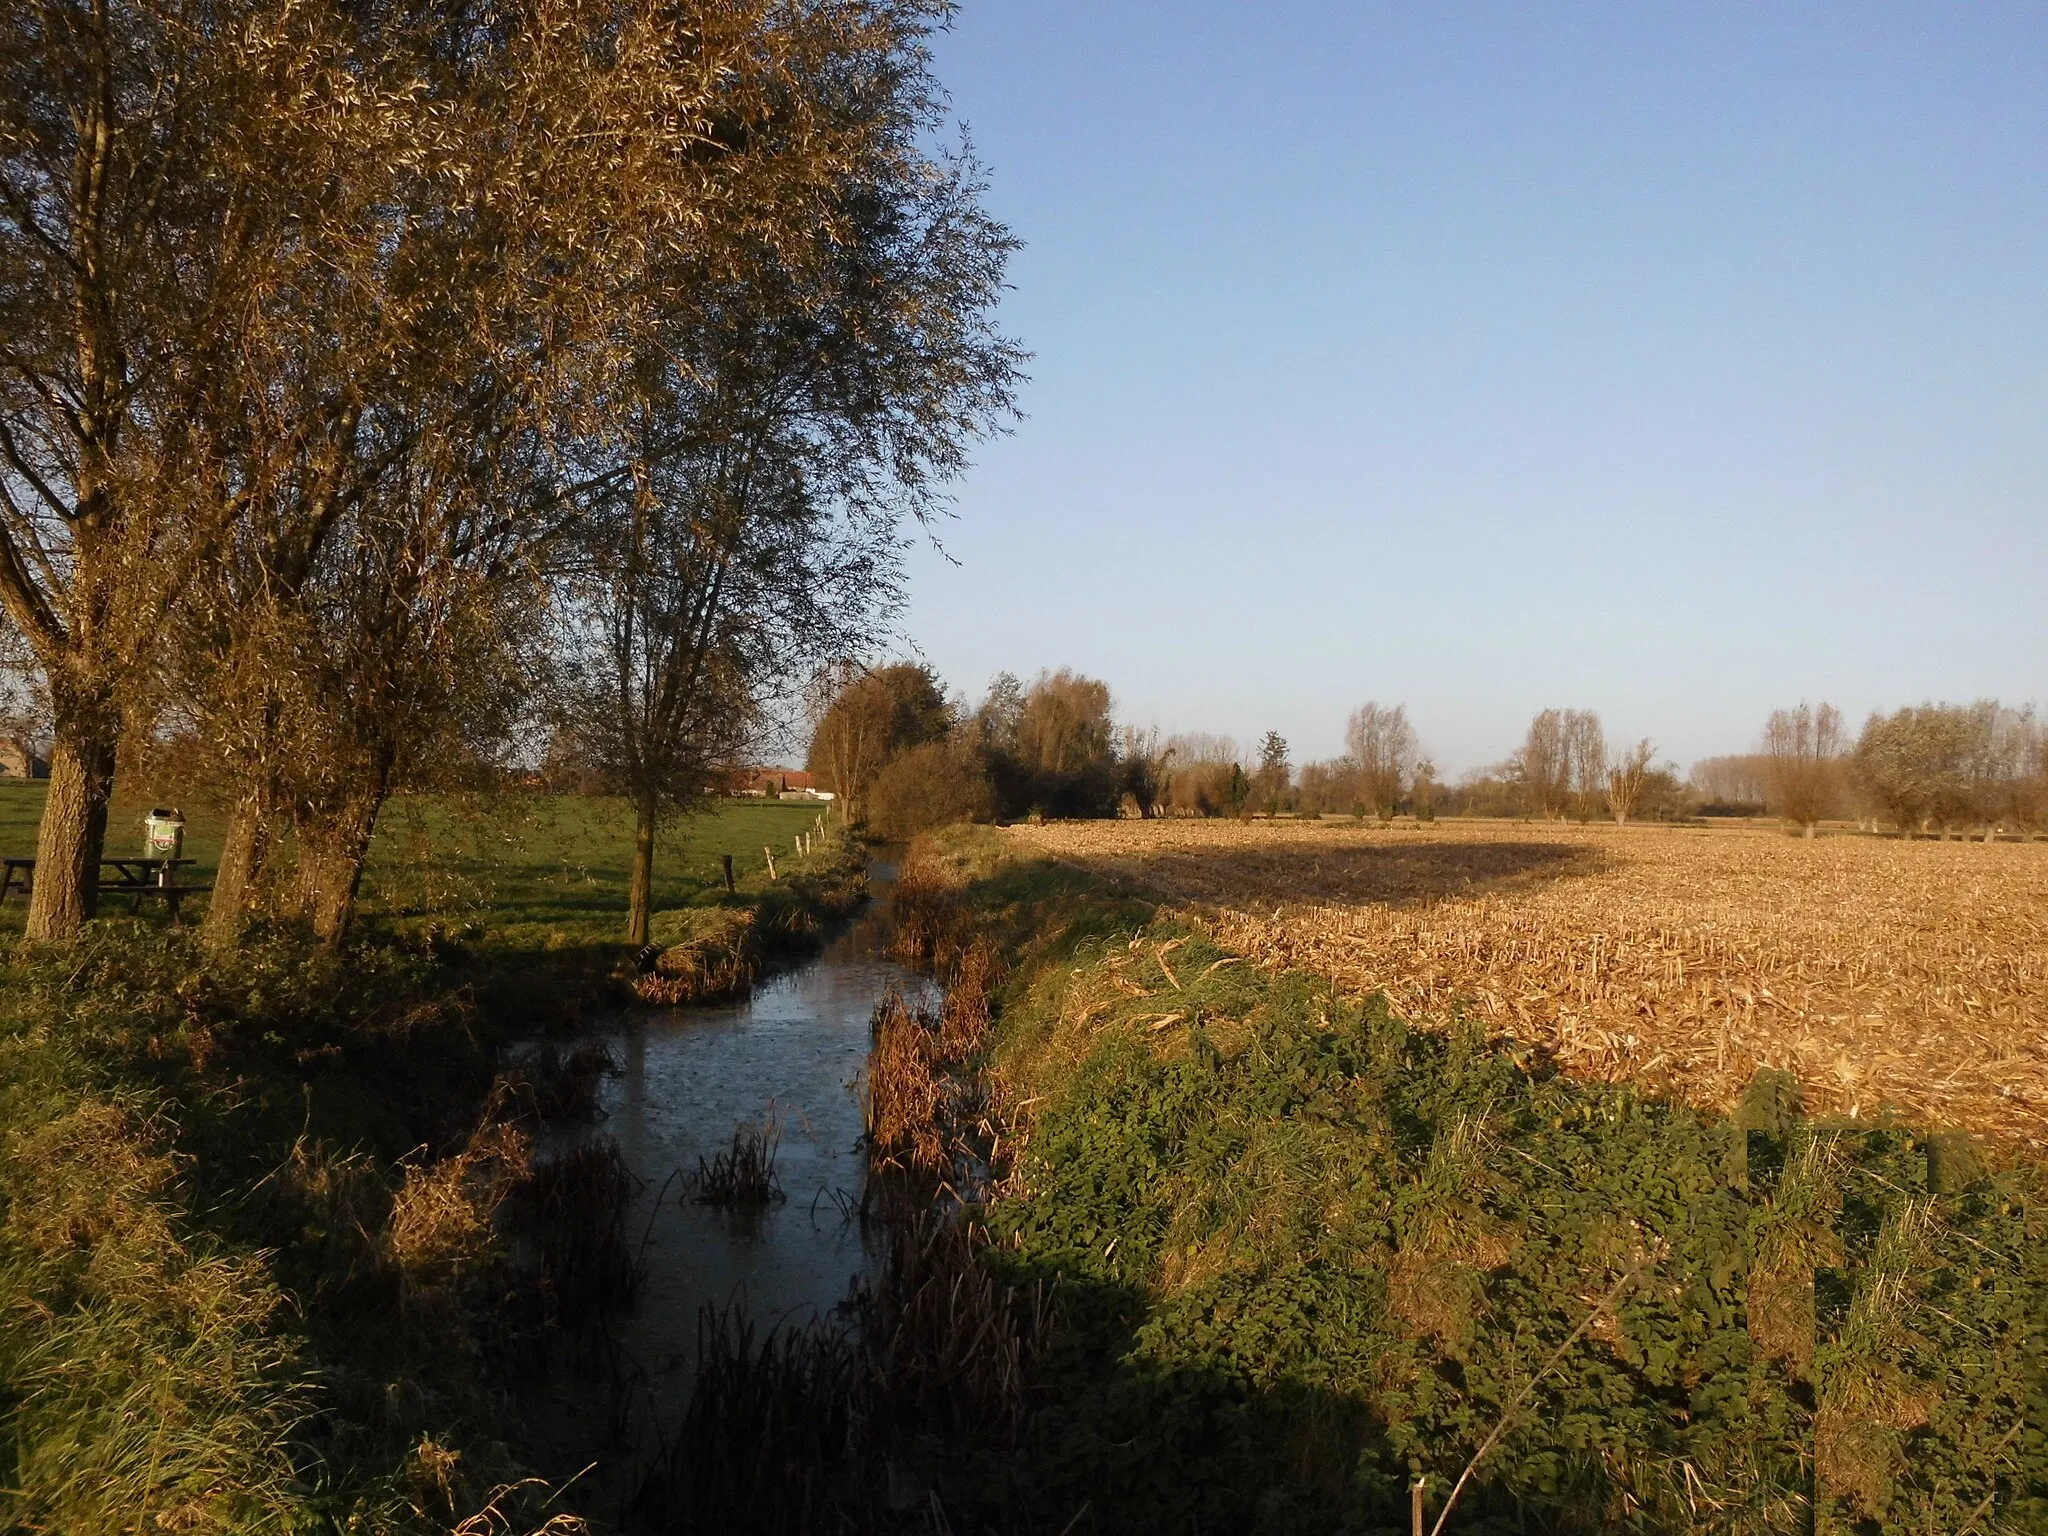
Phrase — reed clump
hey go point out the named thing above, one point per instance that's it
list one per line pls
(552, 1083)
(442, 1232)
(713, 953)
(866, 1420)
(907, 1089)
(571, 1206)
(743, 1175)
(707, 954)
(932, 925)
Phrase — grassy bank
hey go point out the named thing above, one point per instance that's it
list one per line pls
(276, 1241)
(1302, 1253)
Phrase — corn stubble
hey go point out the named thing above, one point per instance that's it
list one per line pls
(1885, 975)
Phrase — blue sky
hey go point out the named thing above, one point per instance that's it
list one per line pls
(1674, 361)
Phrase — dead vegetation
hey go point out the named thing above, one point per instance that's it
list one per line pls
(924, 1102)
(708, 953)
(834, 1424)
(1885, 975)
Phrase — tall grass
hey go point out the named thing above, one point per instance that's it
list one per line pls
(148, 1386)
(852, 1422)
(744, 1174)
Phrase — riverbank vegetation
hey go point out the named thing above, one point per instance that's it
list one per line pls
(1301, 1251)
(284, 1227)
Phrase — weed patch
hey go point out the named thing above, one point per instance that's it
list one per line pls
(744, 1174)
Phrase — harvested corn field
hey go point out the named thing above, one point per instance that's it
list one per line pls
(1887, 975)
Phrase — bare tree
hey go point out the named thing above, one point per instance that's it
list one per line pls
(1331, 786)
(1586, 753)
(1544, 765)
(1627, 777)
(1803, 748)
(1383, 744)
(2027, 746)
(1736, 779)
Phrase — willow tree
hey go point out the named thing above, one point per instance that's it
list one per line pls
(868, 715)
(560, 181)
(1627, 777)
(794, 406)
(141, 208)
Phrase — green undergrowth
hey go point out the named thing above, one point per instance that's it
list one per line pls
(1303, 1252)
(208, 1326)
(253, 1271)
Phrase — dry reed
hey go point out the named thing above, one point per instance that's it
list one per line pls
(906, 1089)
(1910, 976)
(708, 953)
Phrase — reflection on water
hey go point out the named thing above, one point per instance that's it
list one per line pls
(687, 1078)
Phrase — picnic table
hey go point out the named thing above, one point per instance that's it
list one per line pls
(134, 878)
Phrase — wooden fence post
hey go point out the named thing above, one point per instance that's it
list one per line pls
(729, 885)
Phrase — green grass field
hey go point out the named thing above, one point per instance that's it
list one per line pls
(525, 870)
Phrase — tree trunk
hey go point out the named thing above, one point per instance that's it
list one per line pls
(641, 900)
(1808, 829)
(331, 859)
(72, 838)
(242, 857)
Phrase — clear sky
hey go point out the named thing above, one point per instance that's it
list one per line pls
(1676, 361)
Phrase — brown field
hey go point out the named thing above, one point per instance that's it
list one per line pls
(1909, 977)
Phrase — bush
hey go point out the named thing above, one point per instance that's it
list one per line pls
(929, 786)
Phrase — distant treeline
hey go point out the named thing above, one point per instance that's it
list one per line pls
(904, 756)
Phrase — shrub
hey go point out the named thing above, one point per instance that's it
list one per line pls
(928, 786)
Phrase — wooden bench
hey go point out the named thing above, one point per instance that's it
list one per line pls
(133, 878)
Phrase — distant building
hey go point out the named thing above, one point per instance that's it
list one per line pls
(18, 762)
(780, 784)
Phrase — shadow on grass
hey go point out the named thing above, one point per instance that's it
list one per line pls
(1410, 872)
(841, 1425)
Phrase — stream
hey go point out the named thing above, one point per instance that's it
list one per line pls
(794, 1050)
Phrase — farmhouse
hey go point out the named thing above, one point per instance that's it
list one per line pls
(781, 784)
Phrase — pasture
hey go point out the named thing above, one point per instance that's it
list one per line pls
(1887, 976)
(524, 869)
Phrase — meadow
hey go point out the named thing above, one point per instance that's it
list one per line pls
(1887, 977)
(518, 870)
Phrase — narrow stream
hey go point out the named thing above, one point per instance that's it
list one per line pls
(795, 1049)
